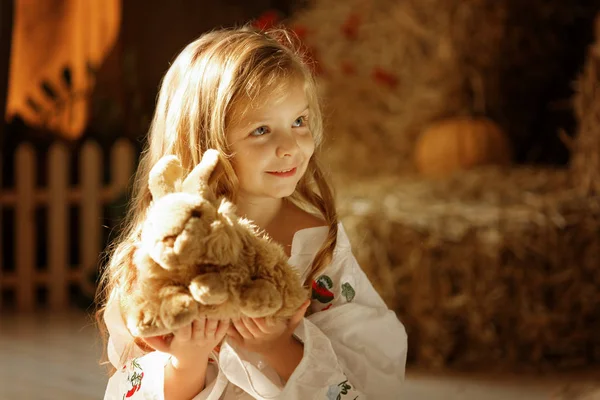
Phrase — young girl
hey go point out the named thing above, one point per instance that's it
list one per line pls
(251, 96)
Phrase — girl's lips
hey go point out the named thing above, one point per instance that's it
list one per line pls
(287, 174)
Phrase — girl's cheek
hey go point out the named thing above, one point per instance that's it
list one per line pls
(262, 144)
(308, 143)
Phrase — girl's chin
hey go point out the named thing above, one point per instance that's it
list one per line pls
(279, 193)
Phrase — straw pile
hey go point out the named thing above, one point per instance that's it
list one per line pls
(490, 268)
(588, 391)
(390, 68)
(585, 161)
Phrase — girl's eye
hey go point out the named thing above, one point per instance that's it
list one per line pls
(301, 121)
(261, 130)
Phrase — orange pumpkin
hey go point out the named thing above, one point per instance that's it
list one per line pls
(459, 144)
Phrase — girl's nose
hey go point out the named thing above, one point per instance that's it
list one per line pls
(287, 145)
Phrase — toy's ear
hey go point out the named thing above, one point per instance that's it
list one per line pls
(164, 176)
(198, 180)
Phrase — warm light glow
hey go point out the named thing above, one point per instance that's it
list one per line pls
(48, 37)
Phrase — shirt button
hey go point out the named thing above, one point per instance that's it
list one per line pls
(261, 365)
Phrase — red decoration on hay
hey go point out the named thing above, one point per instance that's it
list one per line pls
(348, 68)
(300, 30)
(311, 58)
(351, 26)
(267, 20)
(384, 77)
(271, 19)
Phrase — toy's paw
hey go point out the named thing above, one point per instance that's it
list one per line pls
(209, 289)
(259, 299)
(177, 310)
(145, 322)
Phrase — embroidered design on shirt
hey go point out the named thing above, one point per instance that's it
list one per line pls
(335, 392)
(134, 377)
(348, 292)
(321, 289)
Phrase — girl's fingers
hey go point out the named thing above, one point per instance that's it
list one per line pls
(262, 324)
(211, 328)
(252, 327)
(234, 334)
(198, 327)
(222, 329)
(241, 328)
(269, 325)
(184, 333)
(297, 317)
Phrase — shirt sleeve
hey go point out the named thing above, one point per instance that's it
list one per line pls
(354, 346)
(139, 375)
(139, 378)
(143, 378)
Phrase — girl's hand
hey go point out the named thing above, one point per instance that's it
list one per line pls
(192, 343)
(260, 336)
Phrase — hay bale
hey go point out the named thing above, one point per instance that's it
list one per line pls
(391, 68)
(492, 268)
(588, 391)
(585, 162)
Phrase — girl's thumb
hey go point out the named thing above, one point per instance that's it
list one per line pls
(159, 343)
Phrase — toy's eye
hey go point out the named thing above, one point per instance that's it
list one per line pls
(196, 214)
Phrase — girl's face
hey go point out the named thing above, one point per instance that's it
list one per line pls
(272, 145)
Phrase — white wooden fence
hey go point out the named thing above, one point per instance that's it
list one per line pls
(90, 196)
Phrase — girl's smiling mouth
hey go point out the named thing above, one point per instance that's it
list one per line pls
(284, 173)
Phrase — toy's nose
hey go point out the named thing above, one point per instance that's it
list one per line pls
(196, 214)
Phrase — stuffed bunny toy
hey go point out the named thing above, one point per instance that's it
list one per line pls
(196, 257)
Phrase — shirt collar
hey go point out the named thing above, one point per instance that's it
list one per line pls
(310, 240)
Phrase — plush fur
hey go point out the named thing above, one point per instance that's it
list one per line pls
(196, 258)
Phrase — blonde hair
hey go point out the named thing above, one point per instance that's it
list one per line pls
(206, 86)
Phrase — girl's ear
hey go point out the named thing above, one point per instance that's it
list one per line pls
(198, 180)
(164, 176)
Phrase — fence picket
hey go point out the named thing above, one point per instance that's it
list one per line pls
(58, 237)
(91, 207)
(24, 227)
(122, 162)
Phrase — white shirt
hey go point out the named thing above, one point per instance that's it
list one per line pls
(354, 346)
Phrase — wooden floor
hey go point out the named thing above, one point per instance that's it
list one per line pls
(50, 356)
(55, 356)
